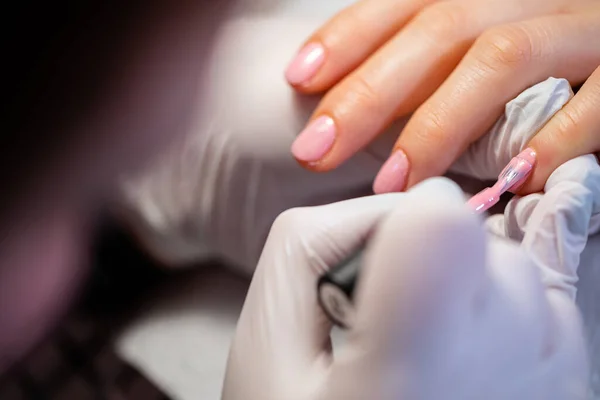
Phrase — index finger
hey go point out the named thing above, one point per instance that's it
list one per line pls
(346, 40)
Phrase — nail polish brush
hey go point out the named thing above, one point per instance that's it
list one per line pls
(335, 288)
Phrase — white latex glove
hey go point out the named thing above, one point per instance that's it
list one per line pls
(554, 226)
(218, 191)
(444, 310)
(523, 117)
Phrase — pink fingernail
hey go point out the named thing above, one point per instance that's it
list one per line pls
(315, 140)
(512, 176)
(529, 156)
(306, 64)
(393, 174)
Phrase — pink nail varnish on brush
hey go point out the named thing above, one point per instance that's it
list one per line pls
(511, 177)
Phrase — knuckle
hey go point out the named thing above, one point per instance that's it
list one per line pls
(566, 123)
(442, 21)
(359, 92)
(505, 46)
(433, 130)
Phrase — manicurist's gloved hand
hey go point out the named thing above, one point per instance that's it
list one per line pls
(444, 309)
(554, 227)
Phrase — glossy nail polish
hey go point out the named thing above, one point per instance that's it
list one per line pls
(512, 176)
(315, 140)
(393, 174)
(306, 64)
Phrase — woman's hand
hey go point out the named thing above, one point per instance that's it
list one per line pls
(453, 65)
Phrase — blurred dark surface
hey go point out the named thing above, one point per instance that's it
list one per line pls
(77, 360)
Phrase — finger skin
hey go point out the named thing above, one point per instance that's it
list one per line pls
(573, 131)
(353, 35)
(503, 62)
(403, 73)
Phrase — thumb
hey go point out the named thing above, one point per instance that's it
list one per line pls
(427, 244)
(281, 347)
(424, 242)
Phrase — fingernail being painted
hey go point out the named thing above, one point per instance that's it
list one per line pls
(511, 178)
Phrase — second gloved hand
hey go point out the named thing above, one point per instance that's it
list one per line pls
(444, 310)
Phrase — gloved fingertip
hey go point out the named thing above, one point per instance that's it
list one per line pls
(439, 216)
(440, 187)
